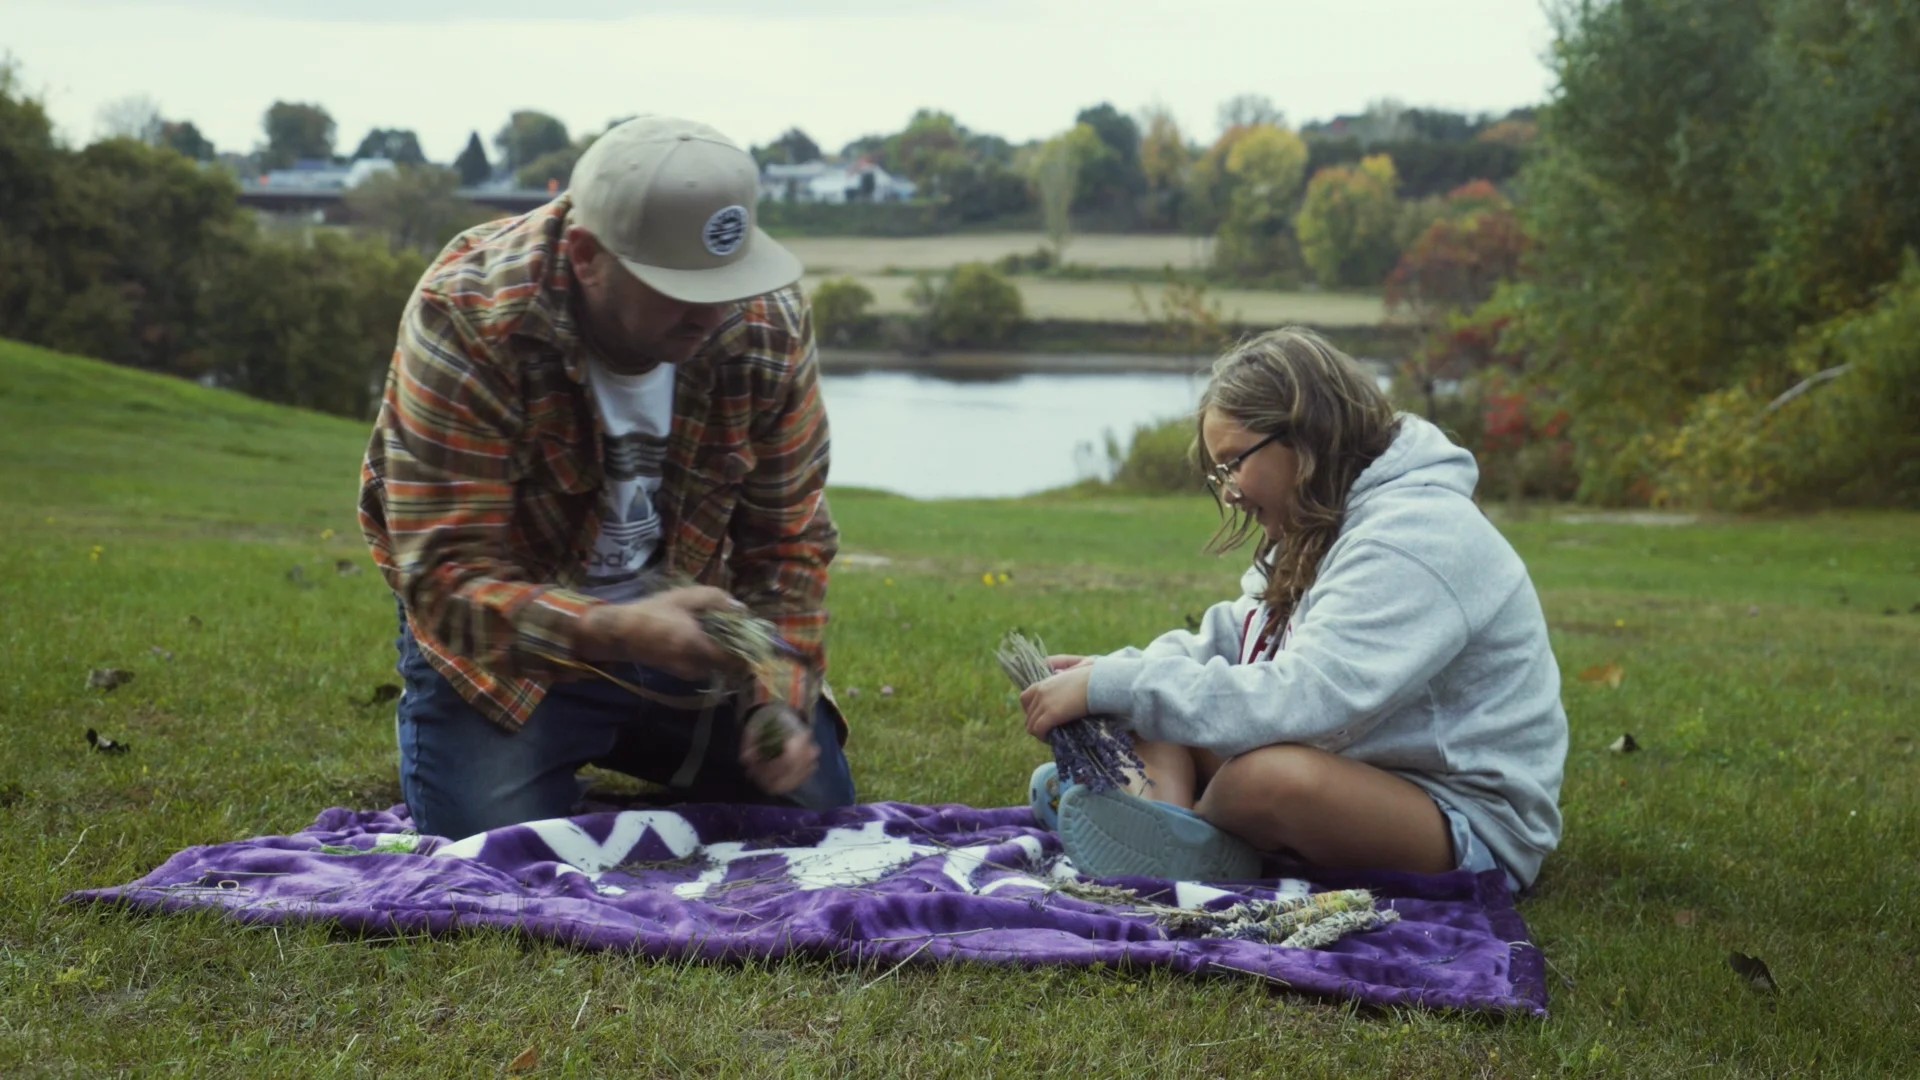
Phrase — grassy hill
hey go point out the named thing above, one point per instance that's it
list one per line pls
(197, 539)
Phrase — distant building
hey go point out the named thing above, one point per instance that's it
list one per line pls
(319, 175)
(827, 182)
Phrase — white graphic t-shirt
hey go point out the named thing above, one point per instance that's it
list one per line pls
(636, 412)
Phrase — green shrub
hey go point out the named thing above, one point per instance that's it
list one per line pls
(974, 306)
(1849, 439)
(840, 309)
(1159, 458)
(1038, 261)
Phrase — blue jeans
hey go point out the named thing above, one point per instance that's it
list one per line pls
(462, 774)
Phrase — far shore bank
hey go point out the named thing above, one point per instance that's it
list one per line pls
(838, 361)
(969, 364)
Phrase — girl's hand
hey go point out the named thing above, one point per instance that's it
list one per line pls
(1056, 699)
(1063, 662)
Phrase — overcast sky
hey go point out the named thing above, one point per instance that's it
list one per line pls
(1016, 68)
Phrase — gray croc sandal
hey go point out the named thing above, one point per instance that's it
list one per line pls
(1114, 834)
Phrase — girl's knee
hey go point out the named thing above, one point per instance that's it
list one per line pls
(1253, 794)
(1281, 773)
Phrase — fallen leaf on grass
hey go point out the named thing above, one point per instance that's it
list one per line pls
(106, 678)
(346, 567)
(1683, 918)
(382, 694)
(1625, 744)
(528, 1061)
(164, 654)
(886, 691)
(103, 745)
(1611, 674)
(194, 621)
(1754, 971)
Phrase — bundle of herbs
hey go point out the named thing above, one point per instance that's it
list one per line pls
(1094, 750)
(755, 642)
(1304, 922)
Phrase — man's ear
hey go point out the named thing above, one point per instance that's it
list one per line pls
(584, 250)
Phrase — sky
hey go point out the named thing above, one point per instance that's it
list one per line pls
(1020, 69)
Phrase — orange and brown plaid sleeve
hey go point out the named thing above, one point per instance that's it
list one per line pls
(783, 535)
(438, 514)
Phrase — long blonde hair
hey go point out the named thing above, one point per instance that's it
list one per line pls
(1335, 419)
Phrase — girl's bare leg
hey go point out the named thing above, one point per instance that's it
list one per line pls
(1333, 811)
(1177, 772)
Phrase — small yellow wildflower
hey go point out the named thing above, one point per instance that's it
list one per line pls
(1005, 577)
(326, 534)
(1619, 624)
(987, 579)
(889, 583)
(94, 555)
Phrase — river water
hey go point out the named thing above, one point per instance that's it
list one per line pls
(942, 437)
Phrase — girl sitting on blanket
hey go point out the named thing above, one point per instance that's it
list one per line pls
(1382, 697)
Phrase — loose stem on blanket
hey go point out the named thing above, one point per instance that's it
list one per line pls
(1094, 750)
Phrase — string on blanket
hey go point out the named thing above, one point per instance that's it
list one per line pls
(1094, 751)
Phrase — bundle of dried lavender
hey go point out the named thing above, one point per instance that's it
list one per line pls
(1095, 750)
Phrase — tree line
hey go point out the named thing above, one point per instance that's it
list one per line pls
(135, 254)
(1716, 300)
(1287, 206)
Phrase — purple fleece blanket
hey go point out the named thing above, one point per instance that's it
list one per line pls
(880, 883)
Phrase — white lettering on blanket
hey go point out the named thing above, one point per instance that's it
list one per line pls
(841, 857)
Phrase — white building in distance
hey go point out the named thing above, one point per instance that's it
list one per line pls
(827, 182)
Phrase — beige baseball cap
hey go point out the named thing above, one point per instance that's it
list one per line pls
(676, 202)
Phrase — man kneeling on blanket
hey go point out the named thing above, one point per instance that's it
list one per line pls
(1384, 695)
(611, 392)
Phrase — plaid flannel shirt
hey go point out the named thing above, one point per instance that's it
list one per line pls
(480, 490)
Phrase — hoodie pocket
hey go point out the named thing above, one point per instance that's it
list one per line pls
(1408, 738)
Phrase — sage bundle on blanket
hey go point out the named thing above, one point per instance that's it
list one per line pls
(1303, 922)
(1094, 750)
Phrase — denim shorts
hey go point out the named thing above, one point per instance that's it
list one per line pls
(1470, 852)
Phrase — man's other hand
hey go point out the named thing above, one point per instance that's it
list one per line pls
(777, 749)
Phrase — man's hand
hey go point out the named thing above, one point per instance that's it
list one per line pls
(777, 749)
(1056, 699)
(662, 632)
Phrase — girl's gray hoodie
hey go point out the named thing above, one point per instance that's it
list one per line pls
(1420, 649)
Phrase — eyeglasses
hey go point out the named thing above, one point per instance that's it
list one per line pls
(1224, 480)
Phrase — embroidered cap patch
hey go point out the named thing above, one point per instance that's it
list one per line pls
(726, 230)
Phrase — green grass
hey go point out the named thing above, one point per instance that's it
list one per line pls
(1773, 809)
